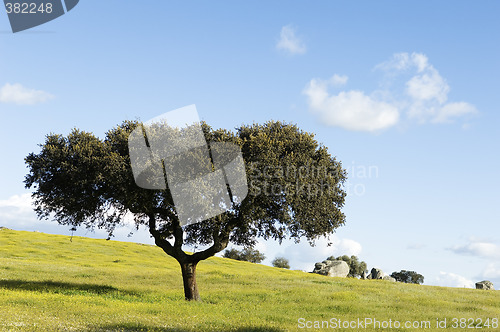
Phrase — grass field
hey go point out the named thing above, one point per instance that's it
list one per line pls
(48, 283)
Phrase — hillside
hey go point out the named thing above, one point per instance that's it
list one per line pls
(49, 283)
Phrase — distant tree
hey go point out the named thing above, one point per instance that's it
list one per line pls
(248, 254)
(409, 277)
(281, 262)
(232, 254)
(356, 268)
(295, 188)
(252, 255)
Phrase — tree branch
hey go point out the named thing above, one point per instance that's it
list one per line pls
(221, 240)
(174, 251)
(178, 234)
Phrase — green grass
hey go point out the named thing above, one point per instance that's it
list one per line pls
(48, 283)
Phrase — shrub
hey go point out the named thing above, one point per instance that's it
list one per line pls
(281, 262)
(248, 254)
(356, 268)
(409, 277)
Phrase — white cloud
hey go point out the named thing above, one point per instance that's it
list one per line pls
(18, 94)
(423, 95)
(261, 246)
(428, 86)
(289, 42)
(338, 80)
(22, 202)
(16, 211)
(479, 248)
(420, 60)
(352, 110)
(404, 61)
(399, 61)
(348, 247)
(427, 89)
(449, 279)
(453, 110)
(492, 271)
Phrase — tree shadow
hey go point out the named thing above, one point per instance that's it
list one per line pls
(49, 286)
(140, 327)
(259, 329)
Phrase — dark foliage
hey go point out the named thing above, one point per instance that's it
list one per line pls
(409, 277)
(248, 254)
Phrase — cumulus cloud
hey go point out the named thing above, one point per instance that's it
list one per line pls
(17, 211)
(338, 80)
(448, 112)
(405, 61)
(448, 279)
(492, 271)
(352, 110)
(22, 202)
(18, 94)
(428, 86)
(422, 95)
(478, 248)
(289, 42)
(426, 89)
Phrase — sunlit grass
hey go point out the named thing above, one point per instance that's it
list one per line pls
(49, 283)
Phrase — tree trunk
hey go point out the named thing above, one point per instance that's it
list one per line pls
(189, 279)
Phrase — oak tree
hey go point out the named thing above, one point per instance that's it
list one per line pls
(295, 191)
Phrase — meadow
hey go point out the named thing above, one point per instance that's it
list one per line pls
(59, 283)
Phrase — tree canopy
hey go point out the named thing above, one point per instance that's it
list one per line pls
(295, 190)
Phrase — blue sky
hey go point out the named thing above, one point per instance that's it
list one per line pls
(408, 90)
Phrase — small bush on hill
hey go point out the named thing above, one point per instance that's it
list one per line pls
(356, 268)
(248, 254)
(281, 262)
(409, 277)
